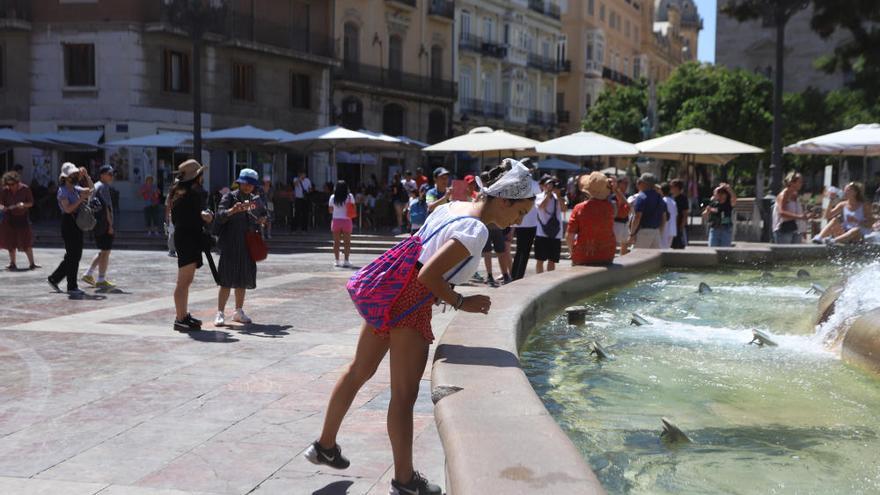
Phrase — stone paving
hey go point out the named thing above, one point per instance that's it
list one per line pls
(101, 396)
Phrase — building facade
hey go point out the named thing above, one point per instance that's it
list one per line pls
(616, 42)
(507, 55)
(752, 46)
(395, 74)
(114, 69)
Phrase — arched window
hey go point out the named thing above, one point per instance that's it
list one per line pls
(436, 62)
(436, 126)
(392, 119)
(352, 113)
(395, 54)
(351, 43)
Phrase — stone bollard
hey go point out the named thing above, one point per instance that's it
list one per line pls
(577, 315)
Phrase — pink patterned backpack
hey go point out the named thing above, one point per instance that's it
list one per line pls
(375, 288)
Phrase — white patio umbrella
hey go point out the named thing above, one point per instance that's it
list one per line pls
(557, 164)
(862, 140)
(161, 140)
(483, 139)
(239, 137)
(697, 146)
(587, 144)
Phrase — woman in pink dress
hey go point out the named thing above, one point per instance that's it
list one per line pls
(15, 228)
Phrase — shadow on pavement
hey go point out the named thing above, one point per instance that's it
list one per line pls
(215, 336)
(265, 331)
(86, 297)
(335, 488)
(478, 356)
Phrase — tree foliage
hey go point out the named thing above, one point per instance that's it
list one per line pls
(618, 112)
(860, 53)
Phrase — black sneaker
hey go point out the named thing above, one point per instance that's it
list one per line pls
(197, 322)
(506, 279)
(185, 325)
(54, 285)
(418, 485)
(328, 457)
(490, 281)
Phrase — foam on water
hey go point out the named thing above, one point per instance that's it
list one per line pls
(860, 294)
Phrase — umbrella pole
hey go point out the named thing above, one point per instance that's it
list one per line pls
(865, 167)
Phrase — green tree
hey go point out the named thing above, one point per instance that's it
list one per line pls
(618, 112)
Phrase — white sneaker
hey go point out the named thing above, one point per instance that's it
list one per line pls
(240, 317)
(346, 264)
(337, 264)
(220, 319)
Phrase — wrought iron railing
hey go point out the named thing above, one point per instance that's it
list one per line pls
(484, 108)
(442, 8)
(563, 116)
(543, 63)
(549, 9)
(469, 41)
(538, 117)
(618, 77)
(394, 79)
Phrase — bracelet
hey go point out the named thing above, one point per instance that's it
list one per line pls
(458, 302)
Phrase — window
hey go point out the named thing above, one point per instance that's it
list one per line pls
(352, 113)
(395, 55)
(436, 62)
(591, 7)
(79, 65)
(602, 12)
(465, 84)
(637, 67)
(243, 82)
(488, 87)
(465, 23)
(392, 120)
(626, 28)
(436, 126)
(625, 65)
(175, 72)
(300, 91)
(545, 49)
(488, 29)
(351, 43)
(589, 52)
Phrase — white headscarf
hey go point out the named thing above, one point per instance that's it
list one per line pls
(516, 183)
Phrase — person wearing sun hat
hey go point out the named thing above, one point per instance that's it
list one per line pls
(590, 236)
(188, 214)
(71, 196)
(239, 212)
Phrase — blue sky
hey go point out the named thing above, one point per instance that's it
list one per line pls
(706, 43)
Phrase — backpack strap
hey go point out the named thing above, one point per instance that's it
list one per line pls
(443, 226)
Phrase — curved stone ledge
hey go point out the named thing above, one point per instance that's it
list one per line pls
(861, 346)
(497, 434)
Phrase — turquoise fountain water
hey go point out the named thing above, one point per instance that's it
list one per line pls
(786, 419)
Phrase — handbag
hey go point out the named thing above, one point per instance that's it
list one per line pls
(85, 218)
(351, 210)
(788, 226)
(375, 288)
(551, 228)
(256, 246)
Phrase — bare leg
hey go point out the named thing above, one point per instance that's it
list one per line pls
(30, 256)
(539, 266)
(487, 260)
(370, 351)
(185, 275)
(346, 244)
(832, 229)
(95, 262)
(239, 297)
(103, 262)
(409, 354)
(551, 266)
(12, 256)
(505, 262)
(222, 298)
(336, 236)
(624, 248)
(851, 235)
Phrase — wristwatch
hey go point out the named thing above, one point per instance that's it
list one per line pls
(458, 302)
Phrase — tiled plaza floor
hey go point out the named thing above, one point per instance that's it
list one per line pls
(101, 396)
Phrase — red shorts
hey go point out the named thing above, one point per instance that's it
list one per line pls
(343, 225)
(420, 318)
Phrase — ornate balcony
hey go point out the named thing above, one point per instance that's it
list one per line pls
(563, 116)
(547, 8)
(488, 109)
(564, 65)
(396, 80)
(618, 77)
(474, 43)
(442, 8)
(537, 117)
(543, 63)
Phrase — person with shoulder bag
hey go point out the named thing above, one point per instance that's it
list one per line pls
(240, 215)
(72, 197)
(102, 207)
(787, 211)
(548, 238)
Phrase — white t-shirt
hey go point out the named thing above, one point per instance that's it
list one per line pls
(340, 212)
(409, 185)
(471, 232)
(671, 229)
(544, 214)
(300, 187)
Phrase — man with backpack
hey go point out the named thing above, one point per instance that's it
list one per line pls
(102, 205)
(650, 215)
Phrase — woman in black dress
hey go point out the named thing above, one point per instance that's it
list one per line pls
(188, 216)
(239, 212)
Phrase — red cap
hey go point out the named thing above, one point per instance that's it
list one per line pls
(470, 179)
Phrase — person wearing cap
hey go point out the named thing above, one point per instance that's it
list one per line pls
(16, 200)
(650, 214)
(239, 212)
(473, 190)
(74, 189)
(189, 216)
(102, 205)
(420, 178)
(455, 236)
(441, 193)
(149, 192)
